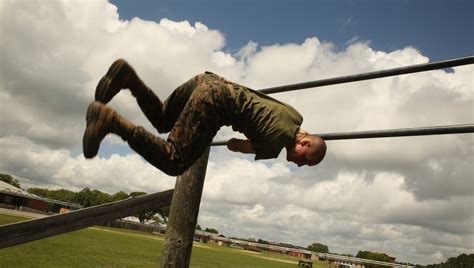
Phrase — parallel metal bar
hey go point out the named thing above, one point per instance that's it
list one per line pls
(372, 75)
(18, 233)
(403, 132)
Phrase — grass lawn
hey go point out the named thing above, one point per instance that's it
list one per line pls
(109, 247)
(6, 219)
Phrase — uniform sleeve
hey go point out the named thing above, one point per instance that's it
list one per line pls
(266, 150)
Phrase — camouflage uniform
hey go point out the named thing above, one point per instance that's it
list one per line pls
(193, 114)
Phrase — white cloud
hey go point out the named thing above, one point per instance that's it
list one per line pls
(238, 177)
(409, 197)
(43, 166)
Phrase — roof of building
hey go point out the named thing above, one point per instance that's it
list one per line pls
(12, 190)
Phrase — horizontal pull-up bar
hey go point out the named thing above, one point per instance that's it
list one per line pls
(22, 232)
(388, 133)
(403, 132)
(373, 75)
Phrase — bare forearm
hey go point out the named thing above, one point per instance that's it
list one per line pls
(242, 146)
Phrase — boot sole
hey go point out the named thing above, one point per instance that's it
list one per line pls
(89, 145)
(106, 89)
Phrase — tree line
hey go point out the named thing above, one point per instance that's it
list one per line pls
(461, 261)
(10, 180)
(87, 197)
(209, 230)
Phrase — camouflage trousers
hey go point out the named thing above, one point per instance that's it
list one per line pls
(192, 114)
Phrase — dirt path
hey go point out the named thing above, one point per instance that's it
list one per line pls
(20, 213)
(258, 255)
(149, 236)
(275, 259)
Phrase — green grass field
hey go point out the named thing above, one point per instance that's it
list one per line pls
(5, 219)
(109, 247)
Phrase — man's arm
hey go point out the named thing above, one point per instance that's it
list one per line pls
(242, 146)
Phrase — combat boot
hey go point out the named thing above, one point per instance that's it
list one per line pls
(119, 76)
(100, 121)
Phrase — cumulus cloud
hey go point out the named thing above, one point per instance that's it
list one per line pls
(40, 166)
(409, 197)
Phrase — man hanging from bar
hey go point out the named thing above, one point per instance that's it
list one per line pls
(193, 114)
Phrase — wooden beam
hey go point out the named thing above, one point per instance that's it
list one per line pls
(183, 215)
(17, 233)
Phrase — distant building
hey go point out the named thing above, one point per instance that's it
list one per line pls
(19, 199)
(132, 223)
(203, 236)
(332, 260)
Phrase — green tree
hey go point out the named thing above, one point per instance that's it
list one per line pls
(318, 247)
(120, 196)
(38, 192)
(85, 197)
(463, 260)
(147, 215)
(10, 180)
(210, 230)
(164, 212)
(101, 198)
(198, 227)
(134, 194)
(61, 194)
(158, 219)
(373, 256)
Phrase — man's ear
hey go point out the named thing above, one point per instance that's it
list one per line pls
(305, 142)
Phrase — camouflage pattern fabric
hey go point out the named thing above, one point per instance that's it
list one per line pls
(193, 114)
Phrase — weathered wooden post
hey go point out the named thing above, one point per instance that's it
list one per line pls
(183, 215)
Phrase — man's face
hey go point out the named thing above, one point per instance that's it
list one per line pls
(301, 154)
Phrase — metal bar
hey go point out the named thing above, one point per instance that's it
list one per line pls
(18, 233)
(372, 75)
(183, 215)
(388, 133)
(403, 132)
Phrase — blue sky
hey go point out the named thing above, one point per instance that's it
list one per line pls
(439, 29)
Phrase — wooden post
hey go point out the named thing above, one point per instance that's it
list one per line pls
(17, 233)
(183, 215)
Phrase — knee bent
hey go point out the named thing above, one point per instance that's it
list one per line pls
(201, 78)
(177, 168)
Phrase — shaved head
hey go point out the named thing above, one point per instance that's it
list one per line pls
(319, 147)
